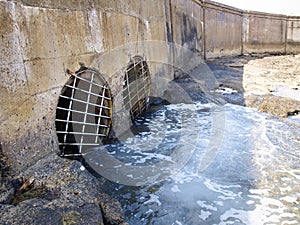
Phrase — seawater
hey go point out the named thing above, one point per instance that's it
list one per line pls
(252, 178)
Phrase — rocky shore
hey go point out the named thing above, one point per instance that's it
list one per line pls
(57, 191)
(61, 191)
(269, 83)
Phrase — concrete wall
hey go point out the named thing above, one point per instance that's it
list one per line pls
(293, 34)
(187, 33)
(223, 30)
(231, 31)
(264, 33)
(40, 39)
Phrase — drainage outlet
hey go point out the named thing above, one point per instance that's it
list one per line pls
(83, 113)
(136, 88)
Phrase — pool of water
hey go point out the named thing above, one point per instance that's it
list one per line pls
(235, 166)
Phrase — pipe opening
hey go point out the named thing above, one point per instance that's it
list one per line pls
(136, 88)
(83, 113)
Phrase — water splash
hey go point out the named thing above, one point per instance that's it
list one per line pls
(254, 178)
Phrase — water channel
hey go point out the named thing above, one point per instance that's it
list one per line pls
(251, 176)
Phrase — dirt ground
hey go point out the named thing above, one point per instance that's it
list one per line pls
(269, 83)
(279, 75)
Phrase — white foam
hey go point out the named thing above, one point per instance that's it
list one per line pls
(225, 90)
(153, 199)
(290, 222)
(203, 204)
(178, 222)
(149, 211)
(289, 199)
(271, 202)
(130, 175)
(82, 168)
(220, 188)
(225, 198)
(250, 202)
(153, 156)
(287, 215)
(175, 189)
(118, 166)
(181, 177)
(287, 92)
(268, 211)
(204, 215)
(219, 203)
(259, 191)
(286, 189)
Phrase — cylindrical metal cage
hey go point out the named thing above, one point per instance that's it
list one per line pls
(83, 113)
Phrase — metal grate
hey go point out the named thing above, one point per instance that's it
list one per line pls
(136, 86)
(83, 113)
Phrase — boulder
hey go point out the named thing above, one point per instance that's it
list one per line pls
(60, 191)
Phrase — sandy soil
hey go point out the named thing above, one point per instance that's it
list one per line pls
(269, 83)
(278, 75)
(272, 84)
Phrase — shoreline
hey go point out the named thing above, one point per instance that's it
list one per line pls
(268, 83)
(67, 192)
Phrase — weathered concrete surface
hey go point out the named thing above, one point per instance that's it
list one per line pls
(186, 31)
(263, 32)
(223, 30)
(293, 34)
(230, 31)
(39, 40)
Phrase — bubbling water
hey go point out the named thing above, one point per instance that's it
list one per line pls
(253, 179)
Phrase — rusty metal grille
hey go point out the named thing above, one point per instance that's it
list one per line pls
(136, 86)
(83, 113)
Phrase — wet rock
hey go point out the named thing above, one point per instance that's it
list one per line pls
(63, 192)
(41, 211)
(275, 105)
(234, 98)
(71, 217)
(228, 75)
(176, 94)
(112, 210)
(4, 167)
(187, 90)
